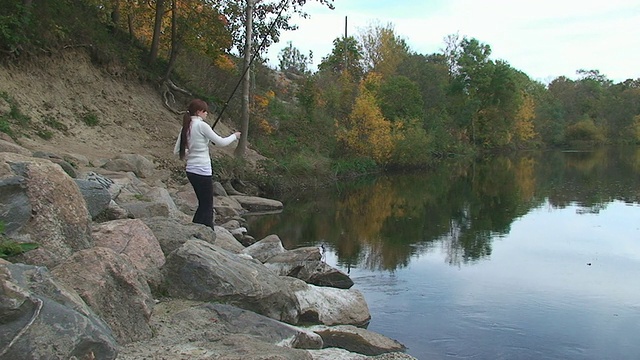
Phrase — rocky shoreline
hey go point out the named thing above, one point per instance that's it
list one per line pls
(120, 272)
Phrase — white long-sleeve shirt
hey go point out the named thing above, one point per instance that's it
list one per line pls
(197, 153)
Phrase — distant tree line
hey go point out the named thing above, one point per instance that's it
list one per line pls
(462, 99)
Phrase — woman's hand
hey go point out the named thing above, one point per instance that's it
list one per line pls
(237, 134)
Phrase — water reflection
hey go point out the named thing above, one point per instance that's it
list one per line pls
(460, 207)
(560, 229)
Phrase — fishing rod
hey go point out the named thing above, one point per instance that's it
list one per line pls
(246, 69)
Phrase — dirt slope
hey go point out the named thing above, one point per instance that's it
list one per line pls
(59, 92)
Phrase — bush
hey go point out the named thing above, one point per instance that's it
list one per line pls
(414, 151)
(585, 130)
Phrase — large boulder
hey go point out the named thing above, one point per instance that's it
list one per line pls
(95, 195)
(200, 331)
(42, 318)
(135, 240)
(330, 306)
(265, 248)
(201, 271)
(172, 234)
(357, 340)
(59, 220)
(113, 288)
(255, 204)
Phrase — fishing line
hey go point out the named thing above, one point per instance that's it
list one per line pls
(264, 40)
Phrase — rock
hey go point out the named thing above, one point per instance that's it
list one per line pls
(119, 165)
(257, 204)
(299, 255)
(265, 248)
(43, 319)
(15, 207)
(59, 221)
(95, 195)
(68, 168)
(226, 240)
(143, 167)
(104, 181)
(305, 264)
(329, 306)
(312, 272)
(135, 240)
(145, 209)
(201, 271)
(357, 340)
(199, 331)
(218, 189)
(161, 195)
(226, 207)
(172, 234)
(342, 354)
(10, 146)
(113, 212)
(113, 288)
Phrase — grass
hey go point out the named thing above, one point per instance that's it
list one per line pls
(9, 248)
(90, 118)
(13, 117)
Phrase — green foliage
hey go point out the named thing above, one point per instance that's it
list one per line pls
(13, 117)
(9, 248)
(351, 167)
(90, 118)
(400, 98)
(585, 131)
(415, 150)
(292, 60)
(345, 55)
(44, 134)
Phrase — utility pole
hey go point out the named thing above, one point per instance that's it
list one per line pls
(246, 82)
(346, 57)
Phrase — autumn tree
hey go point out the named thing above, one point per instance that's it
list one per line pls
(365, 132)
(523, 127)
(383, 50)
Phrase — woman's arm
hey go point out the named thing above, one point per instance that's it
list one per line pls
(216, 139)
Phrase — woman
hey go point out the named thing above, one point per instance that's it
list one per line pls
(193, 145)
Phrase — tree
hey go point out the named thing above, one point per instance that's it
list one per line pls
(365, 132)
(292, 60)
(157, 29)
(400, 99)
(346, 55)
(523, 128)
(383, 50)
(270, 18)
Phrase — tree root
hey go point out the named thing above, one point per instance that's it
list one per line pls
(168, 88)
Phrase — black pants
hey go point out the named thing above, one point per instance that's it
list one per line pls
(203, 187)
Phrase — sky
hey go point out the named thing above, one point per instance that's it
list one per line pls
(544, 38)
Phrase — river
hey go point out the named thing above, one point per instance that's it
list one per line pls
(527, 256)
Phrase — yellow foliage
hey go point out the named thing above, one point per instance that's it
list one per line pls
(366, 132)
(523, 126)
(224, 62)
(259, 111)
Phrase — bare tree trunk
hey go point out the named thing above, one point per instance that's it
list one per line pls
(175, 42)
(132, 31)
(246, 84)
(155, 41)
(115, 13)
